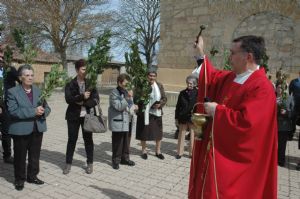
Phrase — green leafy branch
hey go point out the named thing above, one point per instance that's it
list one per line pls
(281, 79)
(264, 63)
(55, 78)
(226, 55)
(138, 72)
(98, 57)
(7, 59)
(25, 46)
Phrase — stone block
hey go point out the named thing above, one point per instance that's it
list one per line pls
(200, 11)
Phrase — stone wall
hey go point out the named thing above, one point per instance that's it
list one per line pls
(277, 21)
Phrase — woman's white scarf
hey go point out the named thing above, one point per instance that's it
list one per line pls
(154, 96)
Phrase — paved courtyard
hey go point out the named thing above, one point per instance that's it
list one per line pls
(152, 178)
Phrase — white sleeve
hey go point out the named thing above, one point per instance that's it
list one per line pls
(196, 71)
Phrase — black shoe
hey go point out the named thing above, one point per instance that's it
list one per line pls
(188, 136)
(160, 156)
(35, 181)
(298, 167)
(8, 160)
(178, 156)
(115, 166)
(127, 162)
(89, 168)
(67, 169)
(281, 164)
(144, 156)
(19, 186)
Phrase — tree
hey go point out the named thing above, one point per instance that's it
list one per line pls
(65, 23)
(140, 18)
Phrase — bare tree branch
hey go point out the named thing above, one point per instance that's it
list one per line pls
(141, 19)
(65, 23)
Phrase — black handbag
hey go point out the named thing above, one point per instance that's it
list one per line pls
(94, 121)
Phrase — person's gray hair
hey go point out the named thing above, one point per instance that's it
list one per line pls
(193, 79)
(24, 67)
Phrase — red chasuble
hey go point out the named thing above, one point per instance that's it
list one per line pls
(237, 159)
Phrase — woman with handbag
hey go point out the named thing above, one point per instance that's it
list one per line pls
(120, 106)
(80, 102)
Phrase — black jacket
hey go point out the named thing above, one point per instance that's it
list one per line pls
(185, 105)
(73, 98)
(10, 78)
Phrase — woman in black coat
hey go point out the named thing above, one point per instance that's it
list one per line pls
(285, 106)
(80, 100)
(183, 113)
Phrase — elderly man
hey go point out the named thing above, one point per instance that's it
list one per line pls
(240, 140)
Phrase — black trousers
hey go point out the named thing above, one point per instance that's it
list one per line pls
(6, 144)
(282, 140)
(120, 146)
(295, 116)
(6, 138)
(73, 131)
(22, 144)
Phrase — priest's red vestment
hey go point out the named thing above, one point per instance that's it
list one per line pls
(237, 158)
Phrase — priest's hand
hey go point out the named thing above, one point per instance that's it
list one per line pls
(210, 108)
(199, 46)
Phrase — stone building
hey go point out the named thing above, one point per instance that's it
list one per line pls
(43, 62)
(277, 21)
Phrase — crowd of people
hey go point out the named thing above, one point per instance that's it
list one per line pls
(288, 112)
(240, 141)
(23, 119)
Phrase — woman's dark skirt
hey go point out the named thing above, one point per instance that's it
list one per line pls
(150, 132)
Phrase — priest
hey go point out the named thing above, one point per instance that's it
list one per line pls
(237, 156)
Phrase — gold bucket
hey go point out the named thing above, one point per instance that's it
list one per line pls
(199, 121)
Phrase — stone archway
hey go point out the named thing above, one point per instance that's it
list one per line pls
(278, 32)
